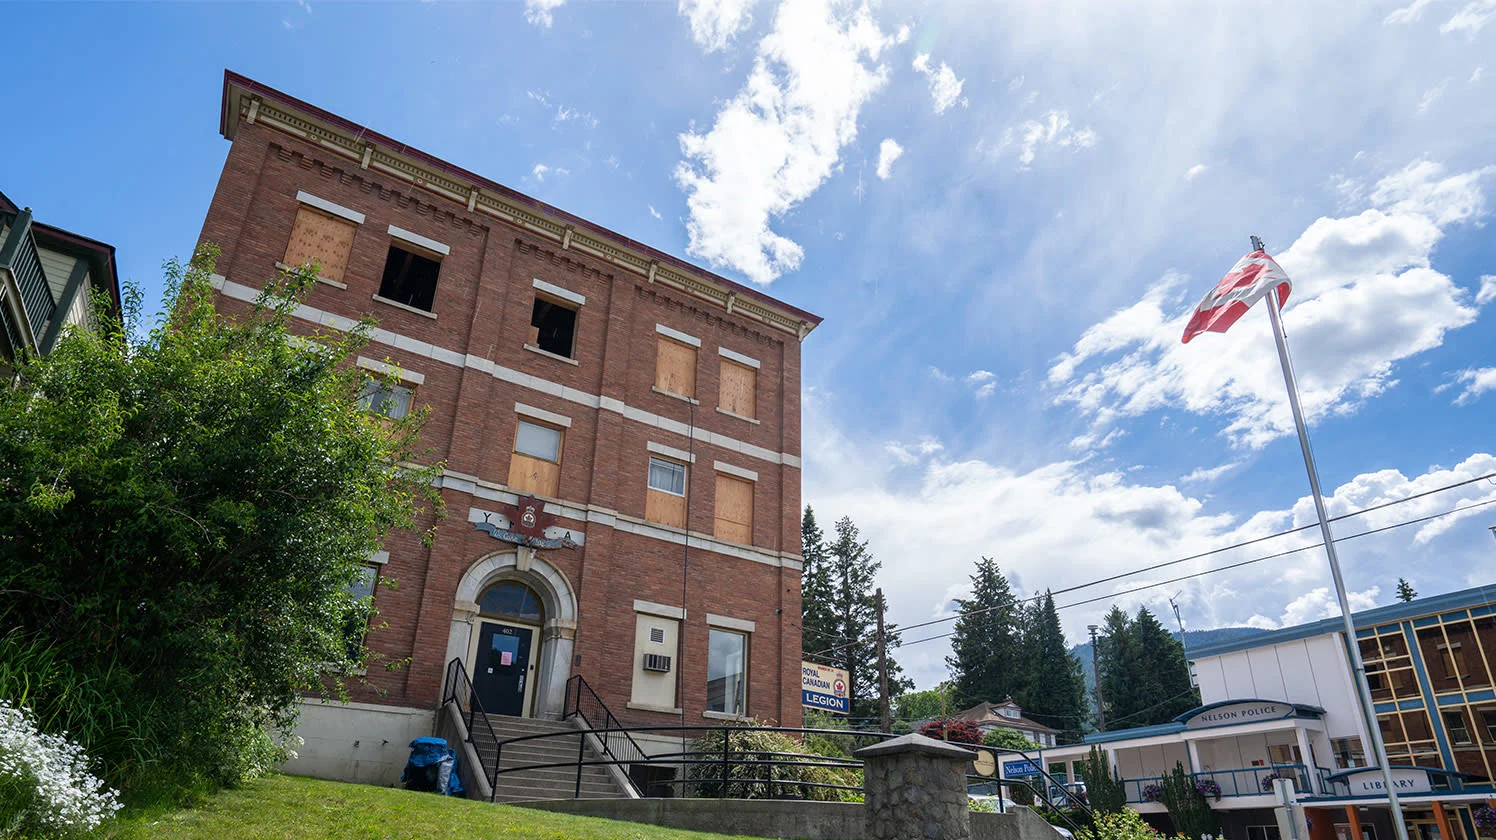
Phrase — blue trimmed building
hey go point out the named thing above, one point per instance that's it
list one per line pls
(1282, 704)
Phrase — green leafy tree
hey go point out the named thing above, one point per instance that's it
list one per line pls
(1009, 739)
(1054, 692)
(1188, 808)
(1105, 792)
(987, 662)
(1405, 590)
(924, 705)
(183, 510)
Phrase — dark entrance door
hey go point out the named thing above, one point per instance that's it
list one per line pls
(501, 668)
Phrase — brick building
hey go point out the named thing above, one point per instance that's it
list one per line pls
(651, 407)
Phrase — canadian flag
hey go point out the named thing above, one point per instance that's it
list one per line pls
(1247, 282)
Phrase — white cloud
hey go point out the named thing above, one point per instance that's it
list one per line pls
(945, 88)
(654, 212)
(1053, 129)
(1431, 96)
(1201, 475)
(912, 453)
(775, 142)
(714, 23)
(540, 171)
(888, 152)
(1407, 14)
(1364, 298)
(983, 383)
(1060, 523)
(1471, 18)
(940, 375)
(1477, 381)
(538, 12)
(1316, 604)
(1487, 291)
(1195, 171)
(1475, 74)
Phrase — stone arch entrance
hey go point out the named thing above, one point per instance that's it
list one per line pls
(557, 630)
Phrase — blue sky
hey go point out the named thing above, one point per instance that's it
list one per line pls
(1003, 211)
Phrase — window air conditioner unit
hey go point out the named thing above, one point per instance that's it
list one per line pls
(656, 662)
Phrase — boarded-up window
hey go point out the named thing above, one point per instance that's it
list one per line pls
(675, 370)
(738, 387)
(734, 519)
(665, 497)
(320, 238)
(535, 466)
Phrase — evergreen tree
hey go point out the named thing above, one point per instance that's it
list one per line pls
(1405, 590)
(1104, 789)
(839, 602)
(1162, 679)
(818, 625)
(1054, 693)
(987, 661)
(1116, 663)
(1189, 810)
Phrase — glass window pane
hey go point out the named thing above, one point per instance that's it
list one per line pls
(667, 476)
(364, 586)
(382, 398)
(541, 442)
(726, 672)
(510, 600)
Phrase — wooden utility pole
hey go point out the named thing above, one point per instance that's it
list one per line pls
(885, 720)
(1100, 698)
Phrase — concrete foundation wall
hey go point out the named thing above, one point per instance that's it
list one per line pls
(357, 742)
(779, 818)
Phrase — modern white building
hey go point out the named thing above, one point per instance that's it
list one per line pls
(1282, 704)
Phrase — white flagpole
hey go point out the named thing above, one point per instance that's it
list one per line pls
(1358, 667)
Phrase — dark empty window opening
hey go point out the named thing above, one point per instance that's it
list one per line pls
(553, 326)
(409, 278)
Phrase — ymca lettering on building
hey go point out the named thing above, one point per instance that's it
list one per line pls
(616, 425)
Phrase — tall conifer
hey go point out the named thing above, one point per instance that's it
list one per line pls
(1055, 691)
(987, 662)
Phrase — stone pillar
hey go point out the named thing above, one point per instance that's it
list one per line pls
(914, 788)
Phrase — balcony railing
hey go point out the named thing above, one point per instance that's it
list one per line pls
(19, 256)
(1248, 781)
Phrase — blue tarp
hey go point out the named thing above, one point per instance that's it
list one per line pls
(432, 767)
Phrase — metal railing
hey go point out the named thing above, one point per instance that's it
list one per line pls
(457, 689)
(19, 255)
(1247, 781)
(583, 703)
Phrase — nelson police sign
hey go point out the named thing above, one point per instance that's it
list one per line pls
(824, 688)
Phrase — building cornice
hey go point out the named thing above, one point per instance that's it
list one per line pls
(246, 101)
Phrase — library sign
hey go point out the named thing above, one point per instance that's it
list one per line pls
(1369, 782)
(825, 688)
(1231, 714)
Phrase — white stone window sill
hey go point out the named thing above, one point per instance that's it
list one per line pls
(549, 355)
(645, 707)
(407, 307)
(672, 395)
(721, 410)
(710, 715)
(320, 279)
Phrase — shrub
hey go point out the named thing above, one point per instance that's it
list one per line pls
(1191, 814)
(953, 730)
(1104, 789)
(789, 776)
(45, 785)
(184, 508)
(1120, 825)
(1007, 739)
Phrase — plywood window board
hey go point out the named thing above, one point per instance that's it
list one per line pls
(665, 508)
(535, 464)
(675, 367)
(323, 239)
(738, 389)
(734, 514)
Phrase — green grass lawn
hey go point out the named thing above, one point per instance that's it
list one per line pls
(294, 807)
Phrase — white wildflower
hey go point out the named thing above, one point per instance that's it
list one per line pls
(57, 793)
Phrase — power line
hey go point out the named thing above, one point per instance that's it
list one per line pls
(1202, 573)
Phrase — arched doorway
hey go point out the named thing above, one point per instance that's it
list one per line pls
(506, 650)
(511, 594)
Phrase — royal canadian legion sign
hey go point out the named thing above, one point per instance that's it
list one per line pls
(825, 688)
(1230, 714)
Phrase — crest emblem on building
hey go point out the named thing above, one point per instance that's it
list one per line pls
(527, 526)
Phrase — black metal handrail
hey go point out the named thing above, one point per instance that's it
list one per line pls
(623, 749)
(458, 690)
(1053, 783)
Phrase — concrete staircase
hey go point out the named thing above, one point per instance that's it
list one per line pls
(549, 783)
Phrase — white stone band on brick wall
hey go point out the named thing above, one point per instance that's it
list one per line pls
(388, 369)
(422, 241)
(683, 338)
(556, 291)
(328, 207)
(738, 357)
(729, 469)
(671, 452)
(542, 415)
